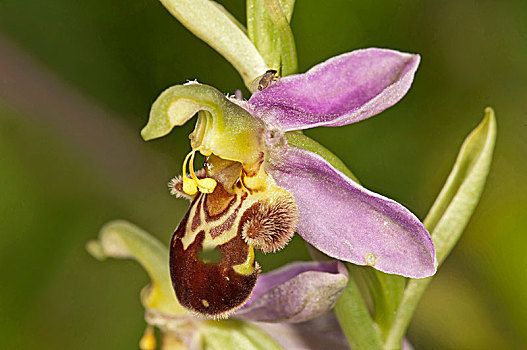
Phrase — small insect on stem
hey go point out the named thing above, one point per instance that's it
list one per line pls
(265, 80)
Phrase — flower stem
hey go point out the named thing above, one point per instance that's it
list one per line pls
(412, 295)
(386, 291)
(285, 34)
(355, 319)
(263, 33)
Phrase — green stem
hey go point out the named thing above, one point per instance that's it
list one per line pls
(412, 295)
(386, 291)
(299, 140)
(263, 33)
(355, 319)
(287, 41)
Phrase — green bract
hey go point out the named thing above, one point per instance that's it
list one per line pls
(451, 212)
(212, 24)
(121, 239)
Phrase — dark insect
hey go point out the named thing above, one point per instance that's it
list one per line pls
(265, 80)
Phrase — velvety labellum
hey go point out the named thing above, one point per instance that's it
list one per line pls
(212, 268)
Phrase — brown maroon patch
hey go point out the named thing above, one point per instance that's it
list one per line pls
(247, 228)
(226, 225)
(210, 289)
(218, 202)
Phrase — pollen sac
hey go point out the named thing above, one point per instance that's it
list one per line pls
(269, 225)
(175, 186)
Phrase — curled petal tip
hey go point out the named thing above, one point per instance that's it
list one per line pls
(149, 133)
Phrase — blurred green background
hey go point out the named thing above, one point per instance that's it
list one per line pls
(76, 82)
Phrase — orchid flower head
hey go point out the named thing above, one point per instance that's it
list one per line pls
(262, 180)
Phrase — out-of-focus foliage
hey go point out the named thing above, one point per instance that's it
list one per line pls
(76, 82)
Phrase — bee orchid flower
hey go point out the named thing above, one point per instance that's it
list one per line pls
(263, 180)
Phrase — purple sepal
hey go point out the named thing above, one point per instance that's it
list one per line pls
(348, 222)
(342, 90)
(323, 332)
(297, 292)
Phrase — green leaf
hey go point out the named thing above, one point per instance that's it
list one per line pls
(451, 212)
(288, 6)
(234, 334)
(455, 204)
(211, 23)
(121, 239)
(230, 16)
